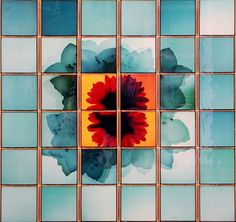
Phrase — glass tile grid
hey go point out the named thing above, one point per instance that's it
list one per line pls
(77, 191)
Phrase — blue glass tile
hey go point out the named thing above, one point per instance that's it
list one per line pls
(138, 203)
(178, 17)
(59, 203)
(138, 17)
(21, 201)
(98, 203)
(216, 91)
(178, 203)
(217, 129)
(217, 166)
(59, 17)
(19, 129)
(217, 203)
(18, 17)
(216, 55)
(98, 17)
(19, 166)
(19, 92)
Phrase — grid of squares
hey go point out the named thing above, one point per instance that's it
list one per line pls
(118, 110)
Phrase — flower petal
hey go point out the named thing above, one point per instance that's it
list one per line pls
(143, 158)
(68, 56)
(173, 131)
(58, 67)
(180, 68)
(168, 60)
(166, 159)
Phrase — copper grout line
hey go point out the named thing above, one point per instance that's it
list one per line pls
(118, 85)
(79, 118)
(1, 113)
(234, 110)
(114, 36)
(158, 117)
(39, 103)
(197, 126)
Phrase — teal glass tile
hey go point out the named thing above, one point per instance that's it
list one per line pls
(178, 203)
(59, 92)
(59, 55)
(19, 17)
(98, 55)
(177, 17)
(19, 55)
(19, 129)
(177, 166)
(59, 166)
(216, 91)
(59, 129)
(98, 166)
(138, 203)
(98, 203)
(59, 203)
(177, 92)
(19, 166)
(21, 201)
(217, 17)
(177, 55)
(138, 17)
(19, 92)
(217, 203)
(217, 129)
(138, 55)
(59, 17)
(138, 166)
(216, 55)
(217, 166)
(98, 17)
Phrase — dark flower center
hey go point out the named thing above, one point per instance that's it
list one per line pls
(126, 124)
(109, 101)
(107, 122)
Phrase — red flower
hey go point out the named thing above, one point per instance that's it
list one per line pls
(104, 124)
(103, 94)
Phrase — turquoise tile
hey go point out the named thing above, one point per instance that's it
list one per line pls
(216, 91)
(19, 129)
(178, 17)
(19, 92)
(178, 203)
(19, 17)
(98, 203)
(138, 17)
(98, 17)
(217, 129)
(138, 203)
(19, 166)
(59, 203)
(217, 166)
(21, 201)
(217, 203)
(216, 55)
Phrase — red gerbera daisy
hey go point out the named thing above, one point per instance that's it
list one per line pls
(133, 124)
(103, 94)
(103, 125)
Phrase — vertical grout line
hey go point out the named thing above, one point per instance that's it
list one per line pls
(39, 112)
(1, 112)
(158, 114)
(197, 123)
(234, 110)
(118, 84)
(79, 114)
